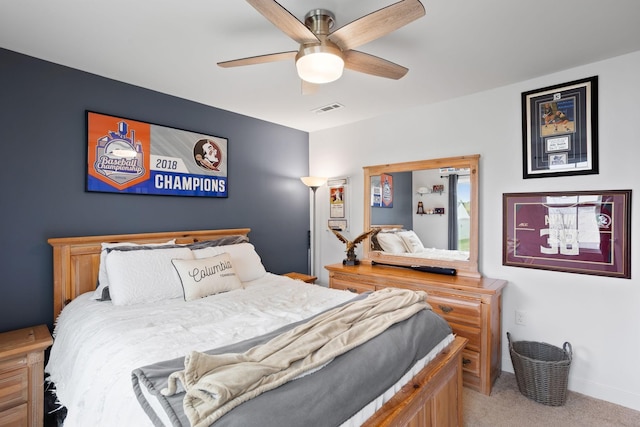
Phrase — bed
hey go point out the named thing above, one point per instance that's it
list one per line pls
(93, 375)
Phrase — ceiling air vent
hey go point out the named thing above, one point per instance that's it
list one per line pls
(327, 108)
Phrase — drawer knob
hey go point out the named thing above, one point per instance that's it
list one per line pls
(465, 361)
(352, 290)
(446, 308)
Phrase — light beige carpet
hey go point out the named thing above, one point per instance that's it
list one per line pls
(507, 407)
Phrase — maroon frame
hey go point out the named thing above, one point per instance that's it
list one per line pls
(586, 232)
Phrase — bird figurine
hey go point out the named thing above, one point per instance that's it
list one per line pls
(351, 246)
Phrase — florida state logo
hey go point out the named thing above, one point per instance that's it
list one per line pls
(207, 154)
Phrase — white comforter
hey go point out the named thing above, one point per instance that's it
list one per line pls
(97, 344)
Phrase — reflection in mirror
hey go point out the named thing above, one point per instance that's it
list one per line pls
(427, 212)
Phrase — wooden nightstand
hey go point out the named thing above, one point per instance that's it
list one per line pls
(22, 375)
(300, 276)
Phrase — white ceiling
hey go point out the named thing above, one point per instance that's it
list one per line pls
(459, 47)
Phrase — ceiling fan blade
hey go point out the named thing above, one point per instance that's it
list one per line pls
(261, 59)
(284, 20)
(369, 64)
(309, 88)
(377, 24)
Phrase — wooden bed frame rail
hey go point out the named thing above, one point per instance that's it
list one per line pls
(433, 398)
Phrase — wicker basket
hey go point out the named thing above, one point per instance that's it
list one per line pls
(542, 370)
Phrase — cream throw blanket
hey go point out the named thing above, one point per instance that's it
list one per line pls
(215, 384)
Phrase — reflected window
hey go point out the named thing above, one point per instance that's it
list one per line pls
(463, 211)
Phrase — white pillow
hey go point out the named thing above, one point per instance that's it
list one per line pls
(411, 241)
(206, 276)
(137, 277)
(391, 242)
(244, 257)
(103, 279)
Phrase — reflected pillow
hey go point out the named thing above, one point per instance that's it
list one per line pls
(411, 241)
(392, 243)
(206, 276)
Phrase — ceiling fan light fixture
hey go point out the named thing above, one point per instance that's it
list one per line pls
(320, 63)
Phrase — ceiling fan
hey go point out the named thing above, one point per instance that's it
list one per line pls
(323, 54)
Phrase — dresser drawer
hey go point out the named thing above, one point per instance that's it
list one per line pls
(17, 416)
(458, 310)
(471, 362)
(472, 334)
(354, 278)
(350, 286)
(14, 387)
(11, 364)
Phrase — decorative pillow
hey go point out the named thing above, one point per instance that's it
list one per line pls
(375, 245)
(246, 260)
(222, 241)
(411, 241)
(103, 281)
(206, 276)
(143, 276)
(392, 243)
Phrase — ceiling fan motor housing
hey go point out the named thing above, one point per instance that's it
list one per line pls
(320, 21)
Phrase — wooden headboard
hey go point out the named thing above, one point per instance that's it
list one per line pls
(76, 260)
(387, 226)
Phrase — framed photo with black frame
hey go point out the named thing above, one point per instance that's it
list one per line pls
(560, 130)
(587, 232)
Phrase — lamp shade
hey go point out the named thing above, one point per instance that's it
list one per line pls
(319, 64)
(313, 181)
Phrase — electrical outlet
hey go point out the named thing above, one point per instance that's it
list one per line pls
(521, 317)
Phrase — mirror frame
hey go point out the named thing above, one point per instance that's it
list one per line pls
(467, 268)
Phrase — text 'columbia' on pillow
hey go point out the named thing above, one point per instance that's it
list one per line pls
(206, 276)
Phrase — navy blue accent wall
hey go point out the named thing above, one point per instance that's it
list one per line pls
(402, 210)
(42, 135)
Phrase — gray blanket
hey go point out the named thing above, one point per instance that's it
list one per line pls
(324, 398)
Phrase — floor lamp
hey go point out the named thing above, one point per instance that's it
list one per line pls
(313, 182)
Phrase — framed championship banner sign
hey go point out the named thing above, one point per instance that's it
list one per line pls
(586, 232)
(129, 156)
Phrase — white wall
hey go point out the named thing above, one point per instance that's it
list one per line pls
(599, 316)
(433, 230)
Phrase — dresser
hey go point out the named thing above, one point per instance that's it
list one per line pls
(472, 307)
(22, 376)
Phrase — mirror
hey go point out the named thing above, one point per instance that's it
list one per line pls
(415, 197)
